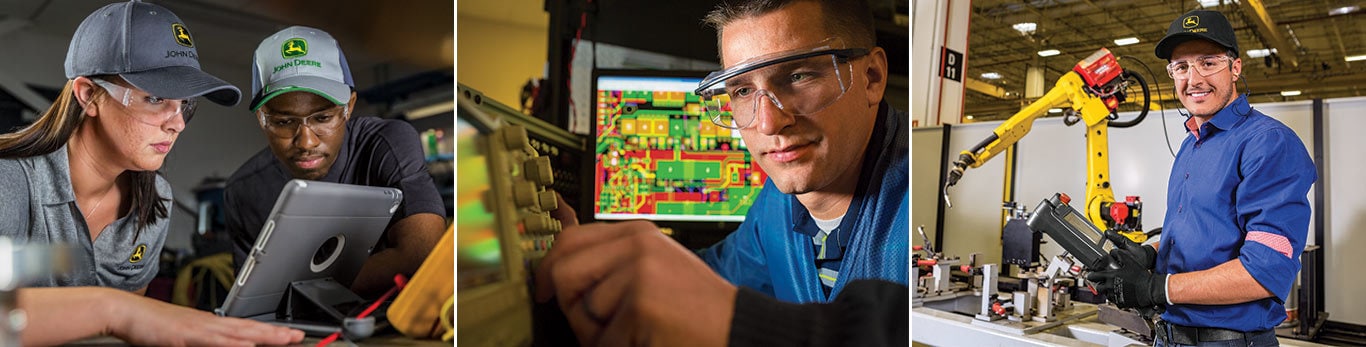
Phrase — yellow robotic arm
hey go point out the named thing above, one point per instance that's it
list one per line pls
(1094, 89)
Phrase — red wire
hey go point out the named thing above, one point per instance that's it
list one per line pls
(399, 282)
(569, 75)
(330, 339)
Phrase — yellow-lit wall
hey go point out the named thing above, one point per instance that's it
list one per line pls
(498, 57)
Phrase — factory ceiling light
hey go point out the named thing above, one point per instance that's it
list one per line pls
(1343, 10)
(1258, 53)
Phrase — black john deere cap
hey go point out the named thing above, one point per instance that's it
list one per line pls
(1198, 24)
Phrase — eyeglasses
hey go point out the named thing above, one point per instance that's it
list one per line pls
(1206, 65)
(322, 123)
(802, 82)
(145, 107)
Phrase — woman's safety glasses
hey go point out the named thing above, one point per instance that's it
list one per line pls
(146, 107)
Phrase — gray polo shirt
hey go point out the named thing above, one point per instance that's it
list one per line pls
(37, 206)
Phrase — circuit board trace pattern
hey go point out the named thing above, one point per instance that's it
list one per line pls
(658, 157)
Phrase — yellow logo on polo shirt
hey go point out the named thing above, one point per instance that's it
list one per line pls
(1190, 22)
(137, 253)
(182, 35)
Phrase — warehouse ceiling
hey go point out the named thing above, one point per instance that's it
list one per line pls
(1312, 39)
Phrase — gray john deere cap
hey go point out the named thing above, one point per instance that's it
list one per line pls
(300, 59)
(150, 48)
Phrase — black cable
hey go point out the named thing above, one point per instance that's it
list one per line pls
(39, 11)
(1161, 110)
(1247, 93)
(1147, 99)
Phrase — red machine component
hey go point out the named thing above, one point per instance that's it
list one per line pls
(1099, 68)
(1119, 212)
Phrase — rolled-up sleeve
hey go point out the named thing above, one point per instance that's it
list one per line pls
(1273, 208)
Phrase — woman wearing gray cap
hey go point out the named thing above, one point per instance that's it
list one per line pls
(88, 180)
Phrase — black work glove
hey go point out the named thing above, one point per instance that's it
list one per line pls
(1143, 255)
(1130, 286)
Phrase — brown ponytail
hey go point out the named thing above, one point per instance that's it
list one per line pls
(52, 130)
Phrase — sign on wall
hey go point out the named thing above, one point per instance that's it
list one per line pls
(953, 65)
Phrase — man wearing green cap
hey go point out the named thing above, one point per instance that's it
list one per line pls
(1237, 214)
(303, 99)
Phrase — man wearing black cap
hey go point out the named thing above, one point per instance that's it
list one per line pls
(303, 100)
(1237, 214)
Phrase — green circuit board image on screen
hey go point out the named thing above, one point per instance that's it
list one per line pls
(659, 158)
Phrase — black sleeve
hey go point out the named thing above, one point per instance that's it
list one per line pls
(867, 313)
(237, 230)
(407, 171)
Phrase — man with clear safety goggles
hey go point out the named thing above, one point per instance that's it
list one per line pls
(1237, 214)
(807, 79)
(304, 96)
(803, 87)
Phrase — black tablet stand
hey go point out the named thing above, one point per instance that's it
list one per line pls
(317, 301)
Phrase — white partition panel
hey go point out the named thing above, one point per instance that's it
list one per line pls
(1345, 235)
(973, 224)
(926, 148)
(1299, 116)
(1053, 159)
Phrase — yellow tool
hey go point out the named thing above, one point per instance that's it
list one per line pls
(1094, 89)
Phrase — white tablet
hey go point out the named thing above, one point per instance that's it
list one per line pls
(316, 230)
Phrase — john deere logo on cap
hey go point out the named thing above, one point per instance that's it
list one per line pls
(137, 253)
(182, 35)
(294, 48)
(1190, 22)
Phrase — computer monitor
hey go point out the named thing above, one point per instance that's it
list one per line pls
(658, 157)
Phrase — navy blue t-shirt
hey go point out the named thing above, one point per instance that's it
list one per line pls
(375, 152)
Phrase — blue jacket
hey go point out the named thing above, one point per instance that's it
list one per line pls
(771, 252)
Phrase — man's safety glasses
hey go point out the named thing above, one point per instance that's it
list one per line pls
(323, 123)
(1205, 66)
(146, 107)
(801, 82)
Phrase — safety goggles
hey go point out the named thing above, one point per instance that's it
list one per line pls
(1205, 66)
(802, 82)
(323, 123)
(145, 107)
